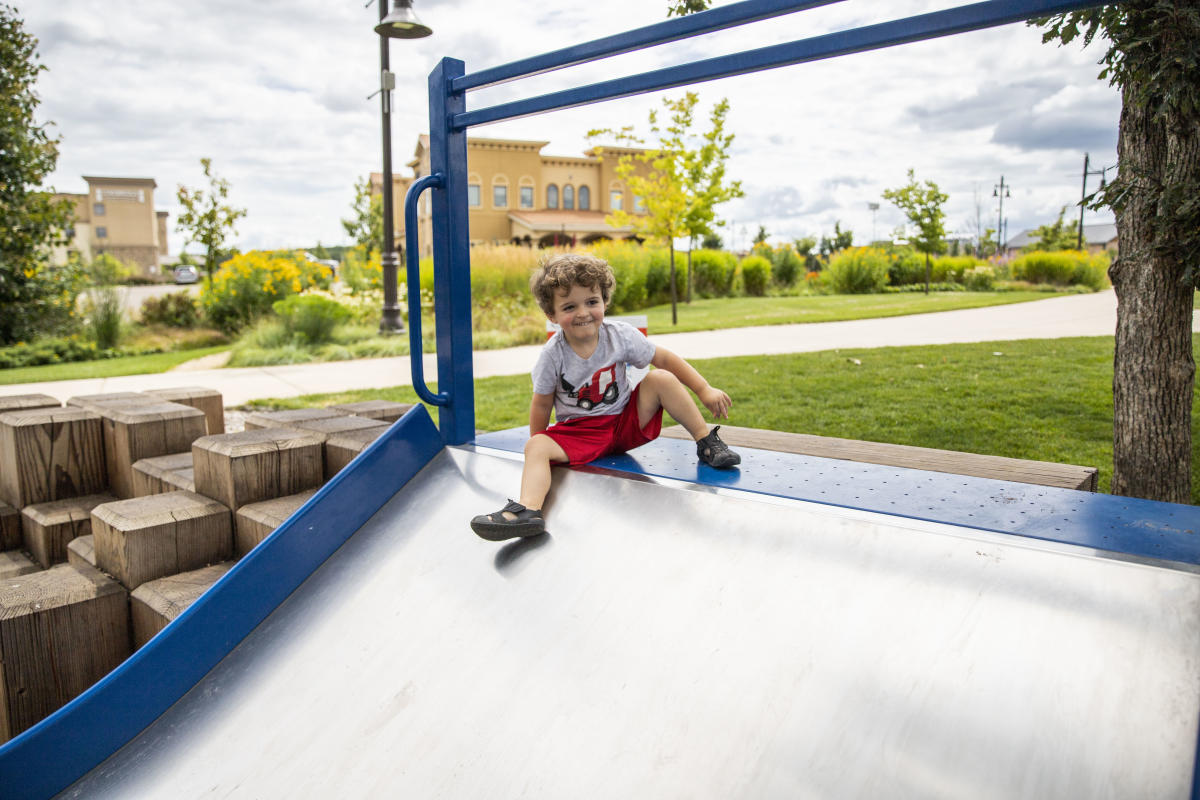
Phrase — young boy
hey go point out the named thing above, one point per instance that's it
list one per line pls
(581, 376)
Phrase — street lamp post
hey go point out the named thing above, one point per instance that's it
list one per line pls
(402, 23)
(1001, 191)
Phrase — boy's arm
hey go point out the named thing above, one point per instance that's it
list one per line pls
(539, 412)
(715, 400)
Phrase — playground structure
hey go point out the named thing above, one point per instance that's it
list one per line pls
(800, 628)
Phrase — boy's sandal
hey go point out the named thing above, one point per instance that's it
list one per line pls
(714, 452)
(495, 527)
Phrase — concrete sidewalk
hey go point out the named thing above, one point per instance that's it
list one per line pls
(1056, 317)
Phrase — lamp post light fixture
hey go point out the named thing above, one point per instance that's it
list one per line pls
(402, 23)
(1103, 173)
(1001, 192)
(873, 208)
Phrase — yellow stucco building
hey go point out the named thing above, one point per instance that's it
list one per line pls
(117, 216)
(515, 194)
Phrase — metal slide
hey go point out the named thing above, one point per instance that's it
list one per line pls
(674, 640)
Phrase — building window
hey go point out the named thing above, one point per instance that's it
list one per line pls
(639, 205)
(585, 199)
(473, 195)
(526, 197)
(98, 209)
(569, 196)
(101, 232)
(500, 196)
(552, 196)
(616, 199)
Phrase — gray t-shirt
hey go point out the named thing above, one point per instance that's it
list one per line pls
(598, 385)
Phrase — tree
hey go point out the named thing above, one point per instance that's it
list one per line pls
(1058, 235)
(681, 8)
(31, 220)
(839, 241)
(762, 235)
(365, 226)
(206, 219)
(1153, 56)
(923, 207)
(712, 241)
(804, 248)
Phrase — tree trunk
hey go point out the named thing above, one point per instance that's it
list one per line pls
(674, 317)
(1153, 368)
(691, 247)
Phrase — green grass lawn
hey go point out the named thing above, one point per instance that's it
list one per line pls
(1043, 399)
(735, 312)
(105, 367)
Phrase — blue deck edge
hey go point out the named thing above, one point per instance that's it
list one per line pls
(65, 746)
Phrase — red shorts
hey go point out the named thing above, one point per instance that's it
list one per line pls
(585, 439)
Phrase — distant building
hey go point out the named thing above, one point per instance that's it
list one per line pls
(1096, 239)
(117, 216)
(515, 194)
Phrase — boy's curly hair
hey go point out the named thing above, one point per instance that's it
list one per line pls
(570, 269)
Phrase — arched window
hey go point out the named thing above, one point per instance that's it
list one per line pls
(569, 196)
(499, 192)
(526, 192)
(585, 199)
(552, 196)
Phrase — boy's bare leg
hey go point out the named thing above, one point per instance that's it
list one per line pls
(662, 389)
(535, 477)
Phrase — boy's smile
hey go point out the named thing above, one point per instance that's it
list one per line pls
(579, 313)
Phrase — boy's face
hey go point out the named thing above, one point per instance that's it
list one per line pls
(579, 313)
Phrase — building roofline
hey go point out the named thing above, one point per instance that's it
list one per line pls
(130, 181)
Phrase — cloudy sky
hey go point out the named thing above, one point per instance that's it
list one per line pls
(276, 94)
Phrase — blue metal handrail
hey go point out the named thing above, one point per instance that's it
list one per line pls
(659, 33)
(871, 37)
(413, 265)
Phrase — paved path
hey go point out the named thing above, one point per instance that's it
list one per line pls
(1059, 316)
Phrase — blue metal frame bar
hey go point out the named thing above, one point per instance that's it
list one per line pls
(416, 349)
(660, 33)
(872, 37)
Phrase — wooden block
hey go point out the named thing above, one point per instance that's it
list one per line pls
(342, 448)
(61, 630)
(251, 466)
(1041, 473)
(287, 419)
(155, 603)
(81, 551)
(14, 563)
(256, 521)
(207, 400)
(335, 425)
(150, 537)
(98, 402)
(50, 454)
(384, 410)
(26, 402)
(134, 432)
(10, 527)
(163, 474)
(50, 527)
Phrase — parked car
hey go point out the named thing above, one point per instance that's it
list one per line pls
(185, 273)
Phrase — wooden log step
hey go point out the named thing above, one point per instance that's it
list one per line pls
(155, 603)
(286, 419)
(50, 454)
(98, 402)
(207, 400)
(82, 551)
(26, 402)
(61, 630)
(150, 537)
(50, 527)
(163, 474)
(256, 521)
(342, 448)
(134, 432)
(383, 410)
(1041, 473)
(255, 465)
(335, 425)
(10, 527)
(14, 563)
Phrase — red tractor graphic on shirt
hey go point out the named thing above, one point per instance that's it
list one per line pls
(601, 389)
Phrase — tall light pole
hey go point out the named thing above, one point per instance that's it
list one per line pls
(402, 23)
(873, 207)
(1083, 200)
(1001, 191)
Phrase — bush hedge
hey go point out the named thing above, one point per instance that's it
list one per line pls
(174, 310)
(713, 272)
(756, 274)
(1062, 268)
(310, 316)
(858, 270)
(247, 285)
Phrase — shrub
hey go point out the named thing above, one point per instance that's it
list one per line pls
(858, 270)
(756, 273)
(51, 351)
(108, 270)
(785, 265)
(1062, 268)
(103, 312)
(630, 264)
(905, 266)
(175, 310)
(246, 286)
(362, 271)
(946, 269)
(713, 272)
(979, 279)
(311, 317)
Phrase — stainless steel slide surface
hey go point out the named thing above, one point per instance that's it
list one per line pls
(674, 640)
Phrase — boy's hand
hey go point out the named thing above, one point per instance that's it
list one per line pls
(716, 401)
